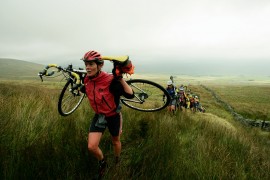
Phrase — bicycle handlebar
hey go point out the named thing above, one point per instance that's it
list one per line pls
(68, 69)
(116, 59)
(45, 71)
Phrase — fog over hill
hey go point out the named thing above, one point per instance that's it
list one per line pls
(18, 68)
(201, 37)
(212, 68)
(191, 68)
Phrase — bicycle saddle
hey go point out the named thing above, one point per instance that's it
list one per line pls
(115, 58)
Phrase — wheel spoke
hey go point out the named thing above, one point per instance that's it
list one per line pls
(68, 101)
(149, 96)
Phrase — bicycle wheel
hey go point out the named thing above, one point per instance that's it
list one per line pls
(149, 96)
(69, 100)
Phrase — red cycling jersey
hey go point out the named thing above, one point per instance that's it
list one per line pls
(99, 95)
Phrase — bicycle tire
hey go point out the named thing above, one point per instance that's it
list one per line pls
(69, 102)
(154, 97)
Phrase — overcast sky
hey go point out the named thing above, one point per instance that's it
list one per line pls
(163, 33)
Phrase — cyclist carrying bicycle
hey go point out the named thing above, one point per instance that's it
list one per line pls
(104, 91)
(173, 94)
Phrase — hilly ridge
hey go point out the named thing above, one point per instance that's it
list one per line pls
(14, 69)
(37, 143)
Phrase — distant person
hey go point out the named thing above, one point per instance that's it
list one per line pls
(196, 103)
(201, 108)
(173, 94)
(191, 102)
(103, 91)
(188, 100)
(182, 97)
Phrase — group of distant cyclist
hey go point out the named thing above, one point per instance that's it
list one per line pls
(182, 98)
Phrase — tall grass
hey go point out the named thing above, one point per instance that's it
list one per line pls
(37, 143)
(250, 101)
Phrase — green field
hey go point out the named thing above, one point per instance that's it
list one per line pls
(37, 143)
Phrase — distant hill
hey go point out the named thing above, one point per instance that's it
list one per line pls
(18, 69)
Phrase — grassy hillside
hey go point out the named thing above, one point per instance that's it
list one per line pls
(250, 101)
(18, 69)
(37, 143)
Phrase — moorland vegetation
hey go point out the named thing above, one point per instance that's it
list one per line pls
(37, 143)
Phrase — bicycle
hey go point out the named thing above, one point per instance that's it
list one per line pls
(148, 96)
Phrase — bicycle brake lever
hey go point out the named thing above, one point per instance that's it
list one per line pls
(40, 75)
(75, 87)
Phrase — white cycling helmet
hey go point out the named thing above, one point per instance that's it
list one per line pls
(169, 83)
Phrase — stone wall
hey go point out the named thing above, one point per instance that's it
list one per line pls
(265, 125)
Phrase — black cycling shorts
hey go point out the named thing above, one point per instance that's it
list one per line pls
(99, 125)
